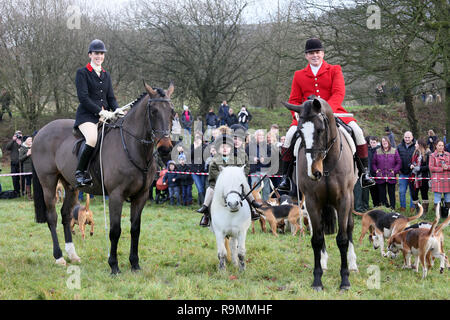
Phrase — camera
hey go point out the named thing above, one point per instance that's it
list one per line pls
(18, 136)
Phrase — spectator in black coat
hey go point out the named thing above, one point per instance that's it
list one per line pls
(431, 142)
(211, 119)
(232, 118)
(171, 179)
(373, 147)
(405, 149)
(13, 146)
(223, 113)
(186, 180)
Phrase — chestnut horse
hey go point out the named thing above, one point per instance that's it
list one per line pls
(127, 163)
(326, 176)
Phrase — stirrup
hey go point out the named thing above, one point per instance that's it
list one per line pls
(285, 184)
(366, 181)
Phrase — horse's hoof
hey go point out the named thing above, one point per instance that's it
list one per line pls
(317, 288)
(344, 288)
(115, 271)
(75, 259)
(61, 262)
(135, 268)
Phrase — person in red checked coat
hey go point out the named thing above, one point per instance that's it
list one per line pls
(325, 81)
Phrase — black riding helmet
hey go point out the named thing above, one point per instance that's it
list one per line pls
(97, 46)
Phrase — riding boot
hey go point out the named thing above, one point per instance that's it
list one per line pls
(286, 167)
(204, 222)
(81, 176)
(362, 163)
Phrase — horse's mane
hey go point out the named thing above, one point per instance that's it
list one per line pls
(138, 99)
(160, 91)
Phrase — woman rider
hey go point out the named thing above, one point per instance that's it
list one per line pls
(97, 100)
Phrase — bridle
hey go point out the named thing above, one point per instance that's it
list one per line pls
(163, 133)
(329, 144)
(240, 194)
(150, 143)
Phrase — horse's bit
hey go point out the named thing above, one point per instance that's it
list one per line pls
(240, 194)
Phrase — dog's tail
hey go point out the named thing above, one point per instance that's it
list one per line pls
(87, 201)
(40, 209)
(435, 222)
(358, 213)
(417, 216)
(443, 224)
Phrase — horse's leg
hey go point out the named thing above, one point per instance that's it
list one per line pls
(318, 243)
(68, 204)
(137, 205)
(115, 212)
(234, 250)
(49, 190)
(351, 255)
(241, 250)
(342, 241)
(221, 250)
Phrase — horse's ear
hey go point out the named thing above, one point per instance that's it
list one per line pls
(317, 105)
(149, 89)
(170, 89)
(293, 107)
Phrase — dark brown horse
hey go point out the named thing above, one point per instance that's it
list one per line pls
(326, 175)
(128, 169)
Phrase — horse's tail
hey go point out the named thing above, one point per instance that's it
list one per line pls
(328, 220)
(227, 246)
(40, 210)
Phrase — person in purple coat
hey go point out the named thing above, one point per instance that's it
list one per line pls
(386, 162)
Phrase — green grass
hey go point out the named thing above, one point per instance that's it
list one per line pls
(179, 261)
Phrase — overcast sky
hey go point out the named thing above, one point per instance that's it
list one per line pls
(258, 9)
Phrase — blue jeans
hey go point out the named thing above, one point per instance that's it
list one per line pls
(199, 182)
(438, 196)
(174, 194)
(266, 189)
(403, 184)
(186, 192)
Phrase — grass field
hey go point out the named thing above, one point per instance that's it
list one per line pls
(179, 261)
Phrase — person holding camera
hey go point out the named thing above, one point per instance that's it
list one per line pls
(27, 164)
(13, 146)
(439, 165)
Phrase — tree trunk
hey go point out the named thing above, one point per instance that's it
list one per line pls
(410, 113)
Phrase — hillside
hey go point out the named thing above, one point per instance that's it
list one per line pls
(373, 120)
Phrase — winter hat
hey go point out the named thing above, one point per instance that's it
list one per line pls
(185, 108)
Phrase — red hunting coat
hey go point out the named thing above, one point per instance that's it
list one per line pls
(441, 182)
(328, 84)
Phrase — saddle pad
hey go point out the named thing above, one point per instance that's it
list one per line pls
(349, 139)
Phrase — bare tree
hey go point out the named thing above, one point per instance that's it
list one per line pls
(201, 44)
